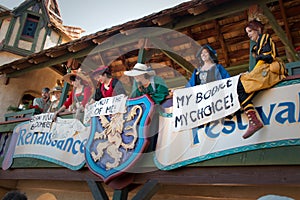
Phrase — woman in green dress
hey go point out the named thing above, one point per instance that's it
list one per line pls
(146, 82)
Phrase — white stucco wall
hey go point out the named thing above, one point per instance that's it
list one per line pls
(51, 40)
(4, 28)
(25, 45)
(39, 43)
(12, 93)
(6, 57)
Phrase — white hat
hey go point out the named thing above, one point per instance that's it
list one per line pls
(56, 89)
(139, 69)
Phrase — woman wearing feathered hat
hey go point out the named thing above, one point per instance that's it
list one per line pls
(209, 69)
(56, 92)
(79, 96)
(146, 82)
(107, 86)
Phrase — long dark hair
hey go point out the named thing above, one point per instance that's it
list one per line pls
(212, 54)
(107, 71)
(74, 77)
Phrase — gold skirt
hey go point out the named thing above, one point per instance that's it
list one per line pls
(261, 77)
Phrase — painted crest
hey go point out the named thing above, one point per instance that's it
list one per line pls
(118, 140)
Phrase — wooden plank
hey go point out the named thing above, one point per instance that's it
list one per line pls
(275, 156)
(292, 66)
(168, 52)
(117, 41)
(9, 127)
(220, 11)
(225, 191)
(142, 55)
(284, 175)
(245, 175)
(97, 190)
(23, 113)
(147, 191)
(278, 30)
(222, 42)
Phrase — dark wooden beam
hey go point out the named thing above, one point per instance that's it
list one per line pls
(53, 61)
(279, 31)
(220, 38)
(100, 57)
(142, 55)
(64, 94)
(217, 192)
(89, 64)
(120, 194)
(245, 175)
(54, 54)
(286, 27)
(116, 41)
(176, 58)
(147, 191)
(5, 81)
(97, 190)
(285, 21)
(124, 62)
(222, 10)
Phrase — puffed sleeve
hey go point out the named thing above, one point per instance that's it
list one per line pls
(69, 100)
(192, 81)
(86, 96)
(223, 71)
(265, 49)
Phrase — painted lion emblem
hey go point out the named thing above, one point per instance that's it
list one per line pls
(111, 140)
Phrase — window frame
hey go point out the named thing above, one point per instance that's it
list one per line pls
(30, 18)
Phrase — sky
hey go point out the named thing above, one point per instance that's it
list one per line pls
(96, 15)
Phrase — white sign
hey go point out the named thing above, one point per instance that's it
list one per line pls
(64, 146)
(66, 128)
(201, 104)
(278, 108)
(109, 105)
(41, 122)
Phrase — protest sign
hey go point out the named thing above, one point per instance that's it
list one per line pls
(201, 104)
(66, 128)
(41, 122)
(109, 105)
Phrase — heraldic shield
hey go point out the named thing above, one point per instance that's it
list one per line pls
(117, 141)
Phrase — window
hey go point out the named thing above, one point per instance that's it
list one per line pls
(30, 26)
(27, 100)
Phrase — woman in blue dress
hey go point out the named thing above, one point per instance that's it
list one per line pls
(209, 69)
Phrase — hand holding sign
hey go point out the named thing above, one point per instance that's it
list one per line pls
(41, 122)
(109, 105)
